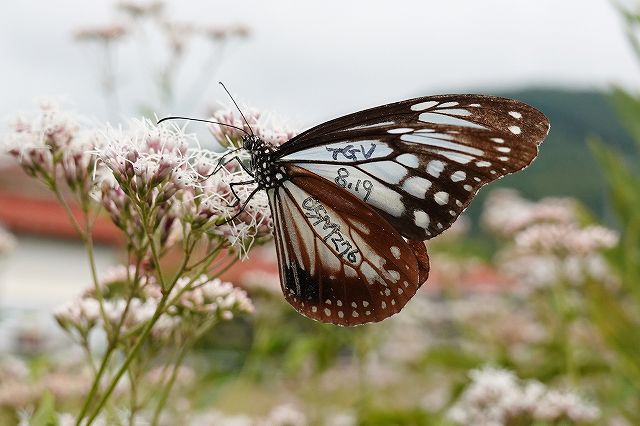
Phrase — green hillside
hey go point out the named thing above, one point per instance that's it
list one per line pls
(565, 166)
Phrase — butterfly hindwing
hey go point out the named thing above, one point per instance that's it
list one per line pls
(419, 162)
(340, 261)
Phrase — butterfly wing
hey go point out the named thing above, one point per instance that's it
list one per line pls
(420, 162)
(340, 261)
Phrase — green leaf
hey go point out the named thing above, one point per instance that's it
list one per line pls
(623, 184)
(627, 107)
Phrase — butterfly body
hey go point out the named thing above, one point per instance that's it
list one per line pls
(353, 198)
(262, 168)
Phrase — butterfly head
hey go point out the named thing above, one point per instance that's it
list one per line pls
(251, 142)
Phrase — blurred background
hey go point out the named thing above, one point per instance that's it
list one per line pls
(537, 283)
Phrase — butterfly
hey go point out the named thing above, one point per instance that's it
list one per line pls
(353, 199)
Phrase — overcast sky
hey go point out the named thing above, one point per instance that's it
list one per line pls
(311, 61)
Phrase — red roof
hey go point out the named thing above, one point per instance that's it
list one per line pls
(27, 207)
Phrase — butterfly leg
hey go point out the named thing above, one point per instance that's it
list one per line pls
(237, 198)
(244, 167)
(243, 205)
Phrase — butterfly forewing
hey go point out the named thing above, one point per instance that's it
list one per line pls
(419, 162)
(340, 261)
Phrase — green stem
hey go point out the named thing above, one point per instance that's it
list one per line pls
(133, 402)
(132, 354)
(176, 367)
(145, 332)
(87, 350)
(113, 342)
(167, 388)
(95, 384)
(560, 297)
(85, 235)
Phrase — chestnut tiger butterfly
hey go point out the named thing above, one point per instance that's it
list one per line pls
(353, 199)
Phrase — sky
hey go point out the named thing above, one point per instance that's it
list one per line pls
(311, 61)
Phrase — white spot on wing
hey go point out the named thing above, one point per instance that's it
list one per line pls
(400, 130)
(369, 273)
(515, 114)
(423, 105)
(387, 171)
(441, 197)
(416, 186)
(360, 226)
(431, 117)
(458, 176)
(457, 111)
(409, 160)
(435, 167)
(457, 157)
(395, 251)
(430, 140)
(370, 126)
(421, 219)
(515, 130)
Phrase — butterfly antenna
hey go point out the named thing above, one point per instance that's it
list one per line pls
(175, 117)
(236, 104)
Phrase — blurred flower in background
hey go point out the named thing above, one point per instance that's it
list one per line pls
(7, 241)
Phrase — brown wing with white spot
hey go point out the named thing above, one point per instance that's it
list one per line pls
(420, 162)
(340, 261)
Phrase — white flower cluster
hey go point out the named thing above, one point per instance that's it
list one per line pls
(284, 415)
(151, 154)
(496, 397)
(281, 415)
(53, 143)
(163, 168)
(211, 296)
(269, 128)
(547, 241)
(566, 238)
(195, 299)
(81, 314)
(144, 167)
(506, 212)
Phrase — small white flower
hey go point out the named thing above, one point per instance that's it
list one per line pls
(81, 314)
(557, 405)
(206, 296)
(567, 238)
(505, 212)
(145, 155)
(285, 415)
(498, 397)
(268, 127)
(52, 135)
